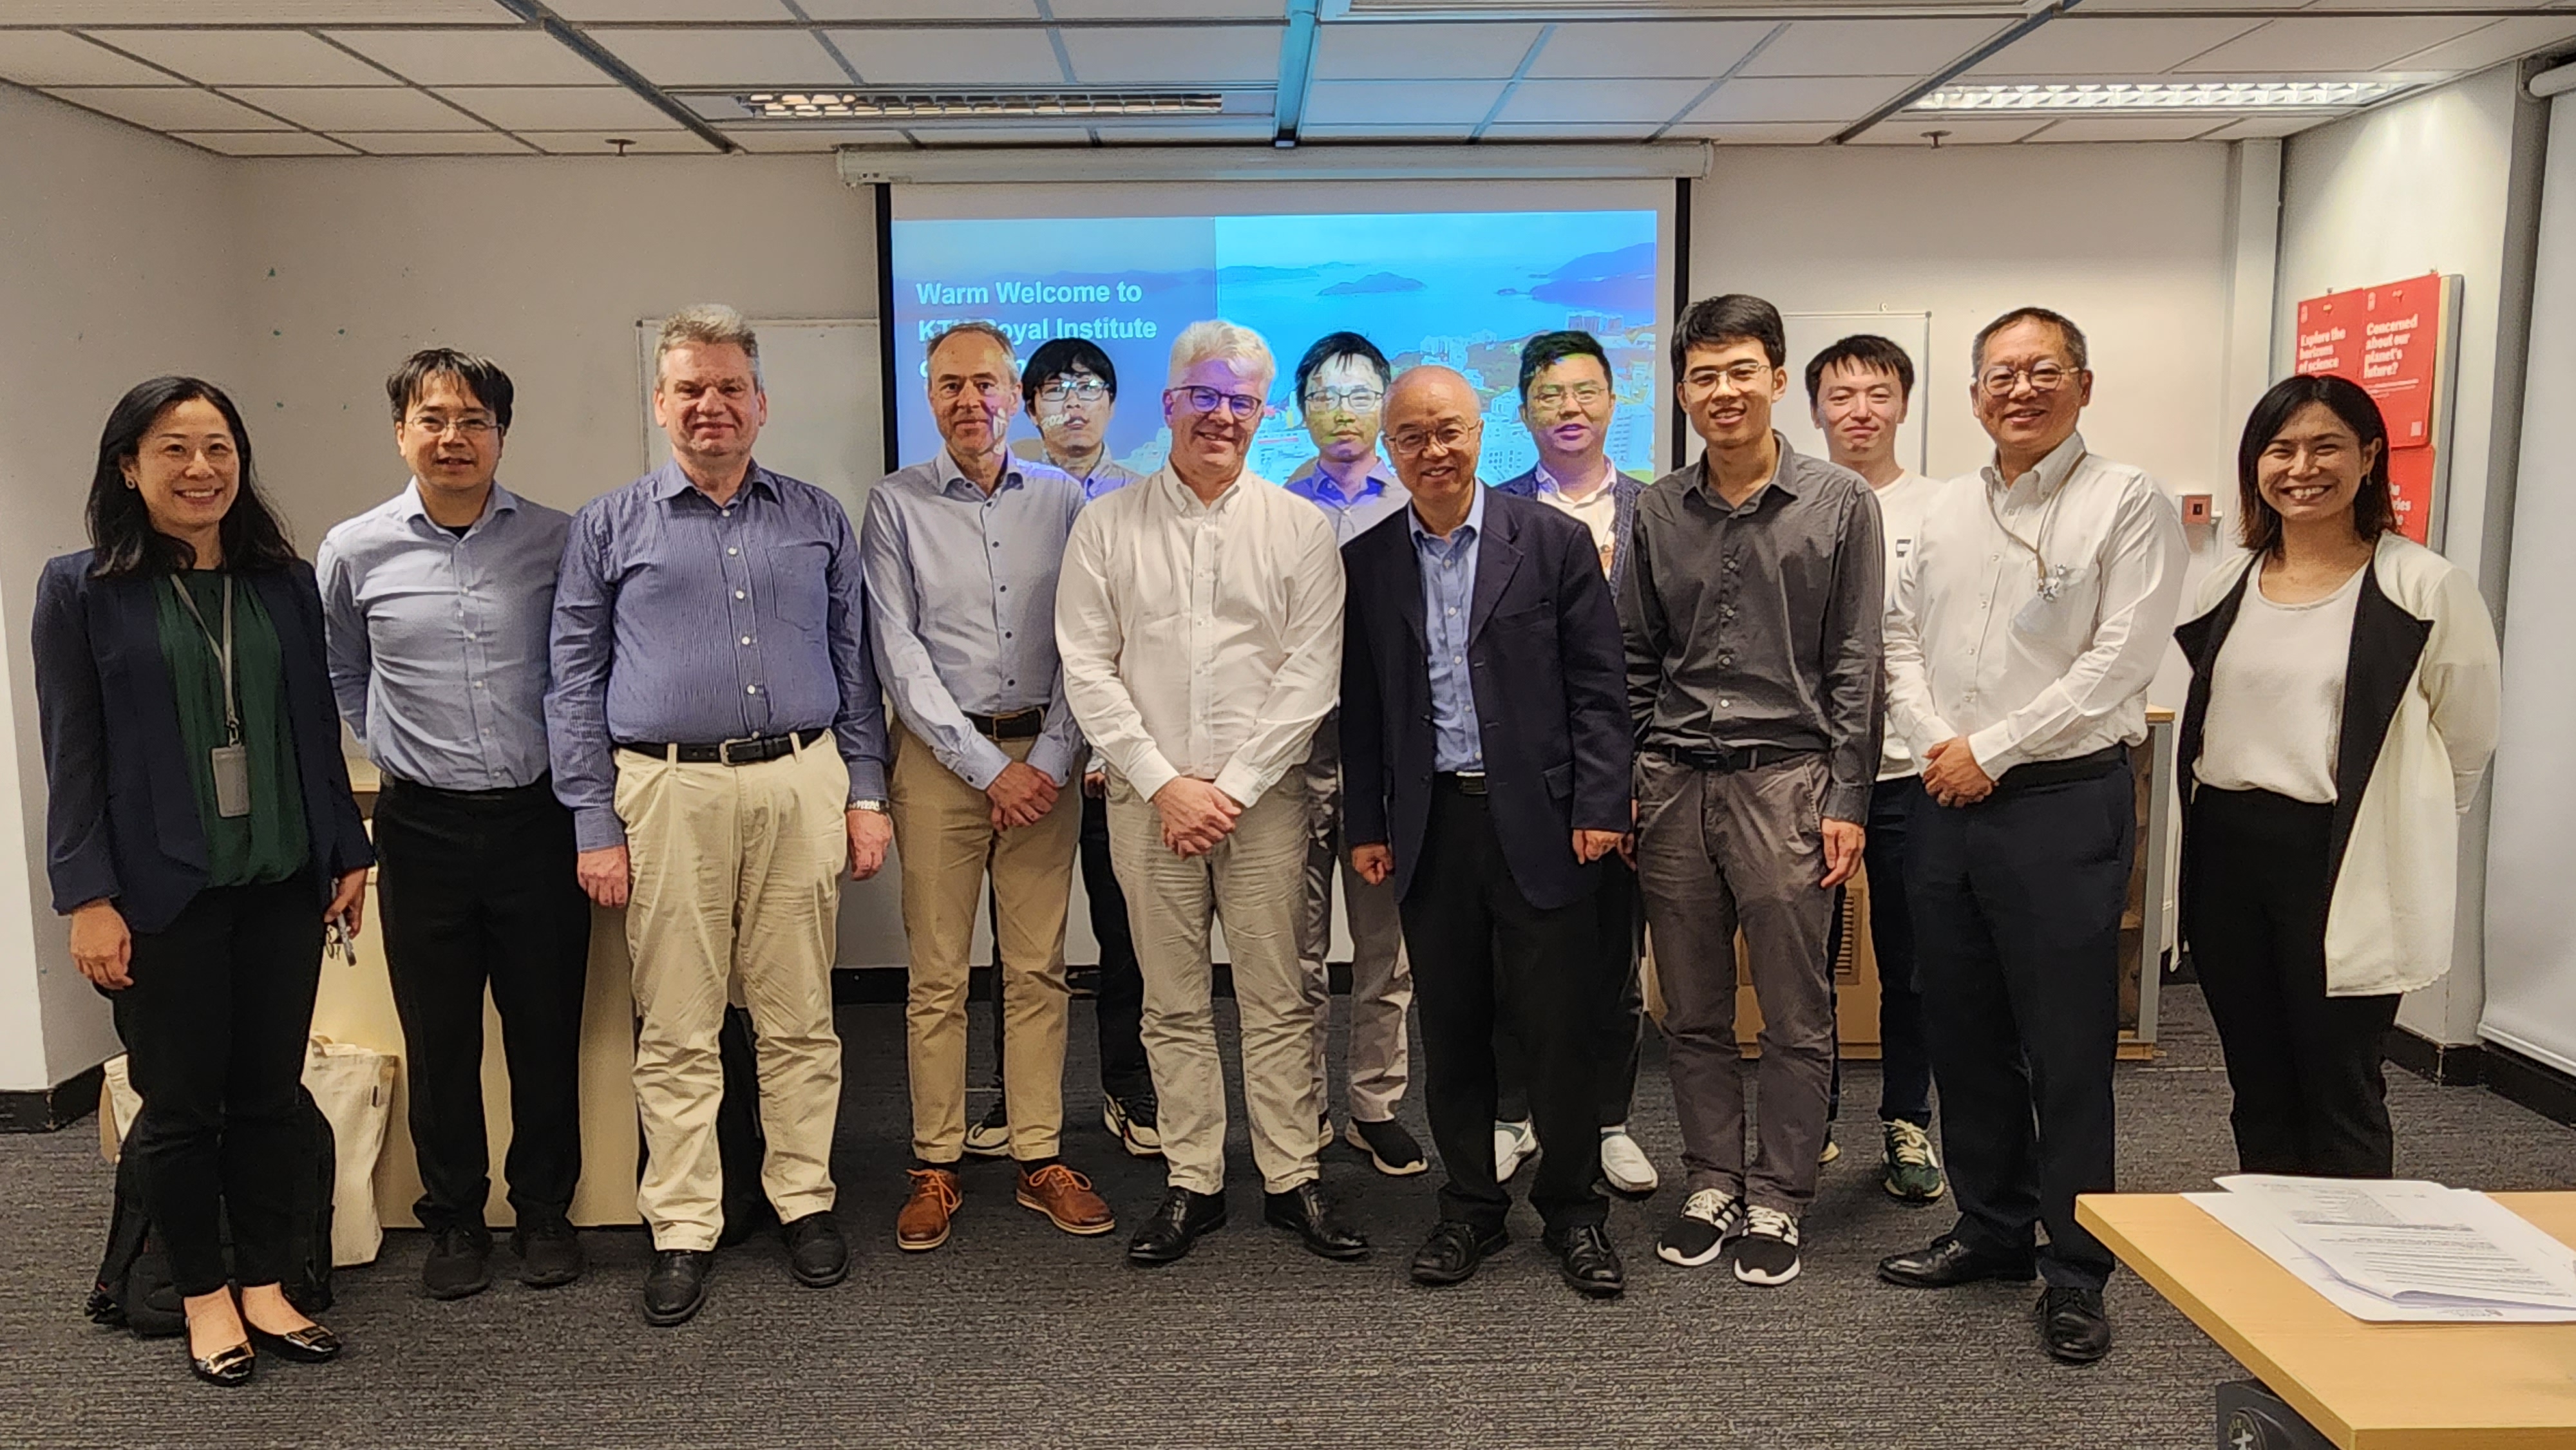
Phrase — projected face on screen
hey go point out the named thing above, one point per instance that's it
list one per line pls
(1462, 289)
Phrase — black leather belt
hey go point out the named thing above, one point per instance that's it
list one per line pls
(1464, 782)
(2092, 766)
(1018, 725)
(1730, 759)
(733, 752)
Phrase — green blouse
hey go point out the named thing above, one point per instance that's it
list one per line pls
(270, 843)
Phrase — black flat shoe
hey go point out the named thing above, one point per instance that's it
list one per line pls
(1947, 1262)
(312, 1344)
(1587, 1261)
(1175, 1224)
(2072, 1326)
(228, 1368)
(1453, 1251)
(1304, 1211)
(816, 1253)
(675, 1288)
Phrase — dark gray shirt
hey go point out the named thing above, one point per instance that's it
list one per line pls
(1757, 626)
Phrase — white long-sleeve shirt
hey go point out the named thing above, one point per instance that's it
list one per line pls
(1976, 647)
(1200, 639)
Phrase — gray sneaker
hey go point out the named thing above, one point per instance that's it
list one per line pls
(1913, 1171)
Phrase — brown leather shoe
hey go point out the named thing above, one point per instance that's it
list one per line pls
(1065, 1197)
(923, 1223)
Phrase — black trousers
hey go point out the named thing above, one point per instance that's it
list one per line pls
(1476, 943)
(2016, 903)
(214, 1030)
(1120, 1006)
(1619, 1030)
(477, 888)
(1904, 1057)
(2310, 1097)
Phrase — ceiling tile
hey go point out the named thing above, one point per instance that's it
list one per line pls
(559, 108)
(1756, 133)
(724, 57)
(253, 12)
(1570, 130)
(434, 143)
(1870, 47)
(1653, 101)
(1621, 49)
(1002, 135)
(354, 108)
(877, 12)
(2269, 126)
(951, 57)
(171, 108)
(2130, 128)
(55, 58)
(2505, 40)
(780, 141)
(1169, 9)
(1200, 55)
(596, 143)
(1744, 99)
(473, 57)
(1421, 52)
(672, 10)
(2082, 47)
(264, 143)
(1398, 103)
(1911, 131)
(1387, 131)
(2322, 44)
(247, 57)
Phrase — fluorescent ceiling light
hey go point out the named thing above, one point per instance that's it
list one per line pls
(2096, 96)
(969, 105)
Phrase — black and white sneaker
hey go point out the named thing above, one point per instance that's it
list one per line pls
(1709, 1218)
(990, 1135)
(1767, 1252)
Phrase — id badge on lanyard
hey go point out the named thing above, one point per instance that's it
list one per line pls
(229, 761)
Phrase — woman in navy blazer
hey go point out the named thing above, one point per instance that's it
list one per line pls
(199, 834)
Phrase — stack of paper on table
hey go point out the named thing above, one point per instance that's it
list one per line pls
(2399, 1250)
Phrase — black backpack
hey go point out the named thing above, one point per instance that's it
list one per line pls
(134, 1289)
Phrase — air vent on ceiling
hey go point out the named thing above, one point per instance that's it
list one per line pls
(967, 105)
(2096, 97)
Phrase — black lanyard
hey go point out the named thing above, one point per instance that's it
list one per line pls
(223, 649)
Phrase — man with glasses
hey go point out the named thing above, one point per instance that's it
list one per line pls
(1857, 391)
(1199, 617)
(1341, 386)
(960, 556)
(436, 606)
(1489, 762)
(1567, 401)
(2027, 626)
(1752, 615)
(1071, 389)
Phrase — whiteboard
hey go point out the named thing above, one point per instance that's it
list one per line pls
(1810, 333)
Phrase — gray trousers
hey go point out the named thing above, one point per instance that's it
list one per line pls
(1718, 851)
(1381, 976)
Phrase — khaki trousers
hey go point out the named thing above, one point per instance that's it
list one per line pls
(1252, 882)
(737, 880)
(1381, 975)
(944, 829)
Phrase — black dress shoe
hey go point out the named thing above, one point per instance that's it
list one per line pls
(675, 1288)
(816, 1253)
(1947, 1262)
(1588, 1262)
(1453, 1251)
(1176, 1223)
(549, 1252)
(312, 1344)
(1304, 1212)
(229, 1368)
(2072, 1325)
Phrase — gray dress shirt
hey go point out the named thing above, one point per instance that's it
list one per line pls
(1758, 625)
(438, 643)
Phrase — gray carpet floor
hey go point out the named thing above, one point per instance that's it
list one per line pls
(1014, 1334)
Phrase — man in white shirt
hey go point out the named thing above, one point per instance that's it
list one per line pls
(1199, 618)
(1858, 390)
(2027, 624)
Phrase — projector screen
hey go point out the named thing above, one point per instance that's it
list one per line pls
(1461, 275)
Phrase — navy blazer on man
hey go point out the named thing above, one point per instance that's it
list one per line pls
(1547, 666)
(120, 811)
(1624, 488)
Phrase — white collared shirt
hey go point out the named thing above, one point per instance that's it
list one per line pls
(1200, 639)
(1599, 512)
(1901, 507)
(1976, 647)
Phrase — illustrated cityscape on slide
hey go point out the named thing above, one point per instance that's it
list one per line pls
(1463, 289)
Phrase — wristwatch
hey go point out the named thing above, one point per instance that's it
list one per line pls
(869, 803)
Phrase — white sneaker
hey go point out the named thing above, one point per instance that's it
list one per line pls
(1514, 1145)
(1625, 1164)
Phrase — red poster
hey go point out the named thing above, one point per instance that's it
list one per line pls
(2388, 339)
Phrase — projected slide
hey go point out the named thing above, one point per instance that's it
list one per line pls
(1461, 288)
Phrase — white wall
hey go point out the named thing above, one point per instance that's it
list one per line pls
(2440, 183)
(117, 262)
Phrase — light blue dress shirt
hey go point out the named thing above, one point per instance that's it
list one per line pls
(679, 622)
(1378, 498)
(961, 607)
(438, 643)
(1448, 600)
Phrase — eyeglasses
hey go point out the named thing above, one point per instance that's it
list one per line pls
(1413, 441)
(1744, 375)
(1353, 400)
(950, 388)
(1086, 390)
(1998, 381)
(1585, 395)
(1244, 406)
(473, 425)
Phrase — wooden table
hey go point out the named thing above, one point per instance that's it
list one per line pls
(2363, 1386)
